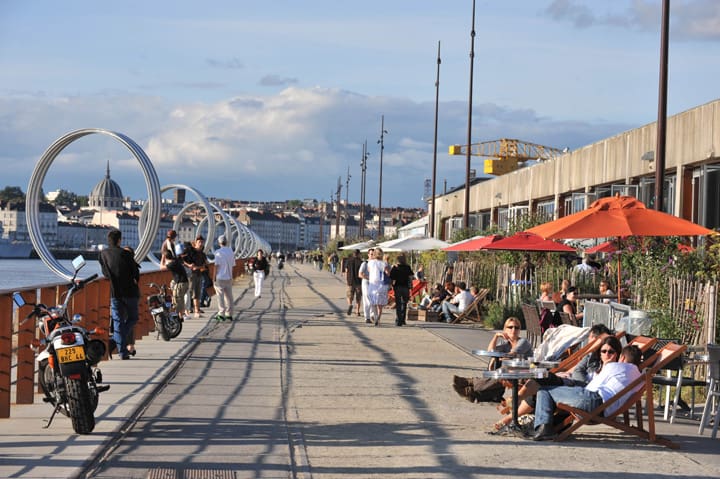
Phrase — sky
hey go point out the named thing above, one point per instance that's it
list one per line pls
(263, 101)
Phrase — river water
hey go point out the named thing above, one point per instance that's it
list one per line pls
(22, 273)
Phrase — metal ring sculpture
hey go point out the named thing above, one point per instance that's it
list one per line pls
(35, 187)
(242, 240)
(201, 224)
(201, 199)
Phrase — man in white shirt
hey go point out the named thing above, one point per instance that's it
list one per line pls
(224, 263)
(458, 303)
(612, 378)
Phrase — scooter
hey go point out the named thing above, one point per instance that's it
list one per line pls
(68, 372)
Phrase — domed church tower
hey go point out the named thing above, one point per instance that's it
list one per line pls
(107, 194)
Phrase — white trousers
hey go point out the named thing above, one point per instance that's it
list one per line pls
(367, 307)
(258, 276)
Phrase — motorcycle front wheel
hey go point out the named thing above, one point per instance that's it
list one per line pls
(80, 405)
(161, 326)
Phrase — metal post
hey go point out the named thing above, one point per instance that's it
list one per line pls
(347, 200)
(662, 108)
(337, 208)
(363, 170)
(466, 215)
(381, 141)
(435, 141)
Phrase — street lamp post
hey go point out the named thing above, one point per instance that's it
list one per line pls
(434, 169)
(363, 170)
(662, 109)
(466, 215)
(381, 141)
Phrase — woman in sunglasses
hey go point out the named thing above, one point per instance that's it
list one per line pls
(509, 341)
(609, 351)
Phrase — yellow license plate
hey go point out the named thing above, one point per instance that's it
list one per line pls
(69, 355)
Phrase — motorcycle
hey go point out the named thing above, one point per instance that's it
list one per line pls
(68, 372)
(168, 323)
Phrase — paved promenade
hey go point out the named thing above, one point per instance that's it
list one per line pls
(296, 388)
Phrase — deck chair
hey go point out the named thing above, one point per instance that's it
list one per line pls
(641, 387)
(565, 318)
(532, 324)
(472, 312)
(579, 353)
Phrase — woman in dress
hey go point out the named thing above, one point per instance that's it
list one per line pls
(378, 285)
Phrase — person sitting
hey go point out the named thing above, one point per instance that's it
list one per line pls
(579, 375)
(457, 304)
(474, 290)
(567, 305)
(604, 289)
(434, 299)
(507, 341)
(612, 378)
(547, 318)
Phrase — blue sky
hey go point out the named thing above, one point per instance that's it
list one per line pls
(272, 100)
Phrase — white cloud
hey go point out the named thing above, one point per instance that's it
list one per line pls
(293, 144)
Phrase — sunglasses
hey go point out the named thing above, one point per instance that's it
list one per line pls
(512, 327)
(607, 351)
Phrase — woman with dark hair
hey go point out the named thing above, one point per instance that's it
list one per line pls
(260, 267)
(609, 351)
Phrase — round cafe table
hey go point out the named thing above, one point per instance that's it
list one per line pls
(513, 371)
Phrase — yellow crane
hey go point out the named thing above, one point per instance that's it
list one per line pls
(505, 154)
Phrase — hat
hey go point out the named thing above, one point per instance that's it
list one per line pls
(222, 240)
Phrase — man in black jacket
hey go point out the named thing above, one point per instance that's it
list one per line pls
(119, 266)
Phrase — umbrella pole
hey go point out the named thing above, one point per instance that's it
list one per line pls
(619, 265)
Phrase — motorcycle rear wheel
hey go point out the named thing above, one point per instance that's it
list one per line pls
(80, 405)
(161, 323)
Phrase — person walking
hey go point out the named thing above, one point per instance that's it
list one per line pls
(401, 275)
(364, 276)
(351, 269)
(119, 266)
(224, 263)
(260, 267)
(378, 285)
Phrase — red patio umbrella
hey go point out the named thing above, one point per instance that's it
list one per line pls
(525, 241)
(618, 216)
(473, 244)
(606, 247)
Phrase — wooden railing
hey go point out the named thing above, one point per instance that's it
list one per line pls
(17, 356)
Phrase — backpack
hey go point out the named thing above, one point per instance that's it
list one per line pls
(488, 390)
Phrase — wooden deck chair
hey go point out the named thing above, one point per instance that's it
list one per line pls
(574, 357)
(472, 312)
(532, 324)
(642, 387)
(565, 318)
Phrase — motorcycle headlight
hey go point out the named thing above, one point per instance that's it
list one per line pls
(77, 317)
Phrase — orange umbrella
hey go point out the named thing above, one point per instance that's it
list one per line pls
(473, 244)
(618, 216)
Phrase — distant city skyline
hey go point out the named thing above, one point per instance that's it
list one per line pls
(267, 101)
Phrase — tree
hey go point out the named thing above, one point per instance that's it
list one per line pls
(68, 198)
(11, 193)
